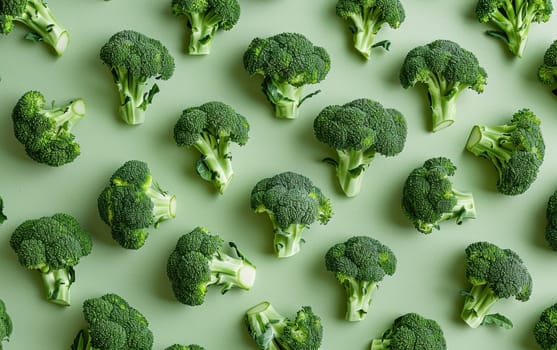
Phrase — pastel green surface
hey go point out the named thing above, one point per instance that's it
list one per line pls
(430, 268)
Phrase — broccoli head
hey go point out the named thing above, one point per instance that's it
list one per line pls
(211, 128)
(185, 347)
(495, 274)
(516, 149)
(366, 18)
(359, 265)
(547, 72)
(205, 18)
(132, 202)
(287, 62)
(513, 19)
(38, 18)
(136, 62)
(113, 325)
(199, 261)
(46, 130)
(428, 196)
(411, 331)
(358, 130)
(545, 330)
(6, 326)
(293, 203)
(3, 217)
(273, 331)
(52, 246)
(551, 226)
(446, 69)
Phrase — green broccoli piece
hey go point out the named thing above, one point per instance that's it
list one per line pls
(132, 202)
(366, 18)
(185, 347)
(199, 261)
(211, 128)
(495, 274)
(46, 131)
(3, 217)
(113, 325)
(513, 19)
(6, 326)
(205, 18)
(446, 69)
(359, 265)
(545, 330)
(411, 331)
(38, 18)
(287, 62)
(136, 62)
(428, 196)
(52, 246)
(551, 226)
(273, 331)
(357, 130)
(516, 149)
(547, 72)
(293, 203)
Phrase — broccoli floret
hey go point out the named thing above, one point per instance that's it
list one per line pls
(113, 325)
(551, 226)
(545, 330)
(38, 18)
(46, 130)
(6, 326)
(52, 246)
(3, 217)
(273, 331)
(205, 18)
(411, 332)
(287, 62)
(199, 261)
(136, 62)
(495, 274)
(185, 347)
(293, 203)
(132, 202)
(357, 130)
(547, 72)
(516, 149)
(428, 196)
(211, 128)
(366, 18)
(513, 19)
(446, 69)
(359, 265)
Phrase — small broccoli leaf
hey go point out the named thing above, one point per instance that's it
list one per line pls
(355, 172)
(148, 97)
(272, 92)
(310, 95)
(33, 37)
(239, 253)
(265, 339)
(498, 320)
(330, 161)
(386, 44)
(498, 34)
(353, 29)
(202, 170)
(158, 188)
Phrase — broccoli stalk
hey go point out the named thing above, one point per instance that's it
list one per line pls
(360, 296)
(286, 241)
(203, 26)
(230, 272)
(494, 142)
(265, 321)
(463, 209)
(477, 305)
(65, 117)
(216, 157)
(57, 284)
(164, 204)
(351, 163)
(442, 98)
(285, 97)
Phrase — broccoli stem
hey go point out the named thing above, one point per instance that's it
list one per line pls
(203, 28)
(477, 305)
(463, 209)
(381, 344)
(287, 241)
(135, 95)
(67, 116)
(164, 205)
(265, 324)
(359, 296)
(365, 29)
(40, 19)
(231, 272)
(216, 157)
(285, 97)
(350, 169)
(443, 104)
(57, 284)
(491, 142)
(515, 26)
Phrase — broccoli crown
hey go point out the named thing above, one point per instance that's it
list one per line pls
(2, 215)
(361, 125)
(132, 202)
(500, 270)
(45, 130)
(538, 10)
(225, 13)
(287, 58)
(115, 325)
(6, 326)
(304, 332)
(50, 243)
(550, 56)
(413, 332)
(141, 56)
(385, 11)
(551, 226)
(185, 347)
(545, 330)
(547, 72)
(292, 199)
(443, 63)
(10, 10)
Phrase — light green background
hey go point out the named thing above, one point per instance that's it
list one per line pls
(430, 271)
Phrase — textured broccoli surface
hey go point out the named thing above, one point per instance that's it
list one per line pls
(3, 217)
(359, 265)
(357, 131)
(366, 17)
(53, 246)
(273, 331)
(547, 72)
(113, 324)
(46, 130)
(6, 326)
(287, 62)
(205, 18)
(513, 19)
(136, 61)
(38, 18)
(446, 69)
(495, 274)
(545, 330)
(293, 203)
(210, 129)
(132, 202)
(516, 149)
(428, 196)
(551, 226)
(199, 261)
